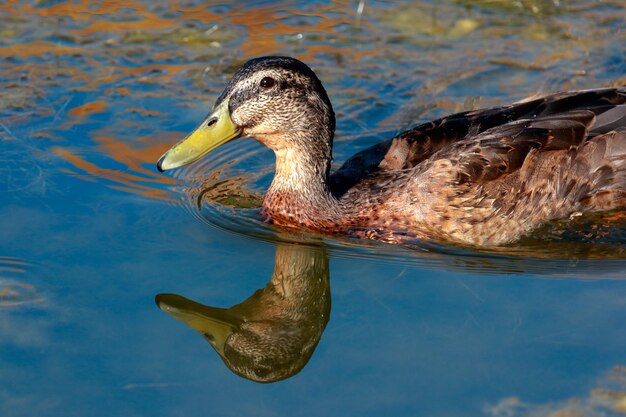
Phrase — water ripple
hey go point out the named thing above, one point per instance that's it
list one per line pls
(13, 290)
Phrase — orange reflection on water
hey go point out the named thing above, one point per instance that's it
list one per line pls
(37, 48)
(134, 178)
(266, 26)
(88, 109)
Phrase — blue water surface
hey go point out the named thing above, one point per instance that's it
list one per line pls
(92, 95)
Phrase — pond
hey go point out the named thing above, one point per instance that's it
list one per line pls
(92, 94)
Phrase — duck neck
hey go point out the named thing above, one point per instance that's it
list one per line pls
(299, 193)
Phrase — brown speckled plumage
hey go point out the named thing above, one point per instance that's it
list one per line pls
(482, 177)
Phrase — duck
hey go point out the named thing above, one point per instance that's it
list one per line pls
(481, 177)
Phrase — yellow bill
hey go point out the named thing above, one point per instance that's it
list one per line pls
(214, 131)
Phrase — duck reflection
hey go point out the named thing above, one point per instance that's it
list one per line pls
(272, 334)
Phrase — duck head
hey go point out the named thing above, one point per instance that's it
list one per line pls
(277, 100)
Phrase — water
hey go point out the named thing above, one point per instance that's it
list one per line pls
(92, 95)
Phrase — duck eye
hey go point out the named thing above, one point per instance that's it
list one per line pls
(267, 82)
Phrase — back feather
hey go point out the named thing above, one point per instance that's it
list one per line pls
(556, 121)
